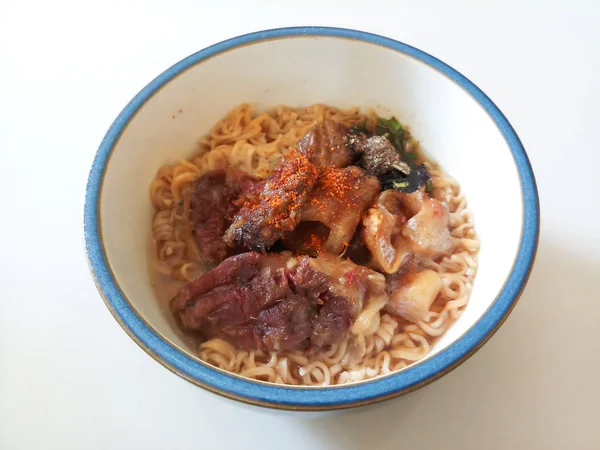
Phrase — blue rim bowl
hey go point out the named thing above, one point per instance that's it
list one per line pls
(325, 398)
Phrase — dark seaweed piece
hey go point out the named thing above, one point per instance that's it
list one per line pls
(395, 179)
(395, 169)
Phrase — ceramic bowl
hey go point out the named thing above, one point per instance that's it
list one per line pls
(456, 123)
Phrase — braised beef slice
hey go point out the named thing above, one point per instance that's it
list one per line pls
(326, 145)
(240, 301)
(217, 196)
(338, 200)
(286, 325)
(309, 282)
(259, 224)
(333, 321)
(308, 238)
(272, 302)
(262, 222)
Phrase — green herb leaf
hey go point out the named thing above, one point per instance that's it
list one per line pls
(401, 184)
(429, 186)
(392, 129)
(391, 124)
(410, 155)
(395, 125)
(383, 122)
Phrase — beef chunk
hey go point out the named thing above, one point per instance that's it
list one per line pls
(245, 300)
(338, 200)
(277, 301)
(308, 238)
(215, 200)
(326, 145)
(263, 221)
(378, 155)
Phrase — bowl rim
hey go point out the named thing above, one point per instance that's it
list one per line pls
(310, 398)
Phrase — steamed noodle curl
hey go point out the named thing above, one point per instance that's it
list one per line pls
(256, 143)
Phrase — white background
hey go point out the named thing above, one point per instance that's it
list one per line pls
(70, 378)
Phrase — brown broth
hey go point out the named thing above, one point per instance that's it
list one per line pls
(164, 287)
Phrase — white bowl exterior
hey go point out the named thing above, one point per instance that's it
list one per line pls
(452, 127)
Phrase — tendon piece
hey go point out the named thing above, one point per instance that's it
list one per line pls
(325, 145)
(264, 220)
(427, 228)
(338, 200)
(215, 200)
(413, 293)
(401, 226)
(279, 302)
(382, 232)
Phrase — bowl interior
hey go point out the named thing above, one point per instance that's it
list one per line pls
(298, 71)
